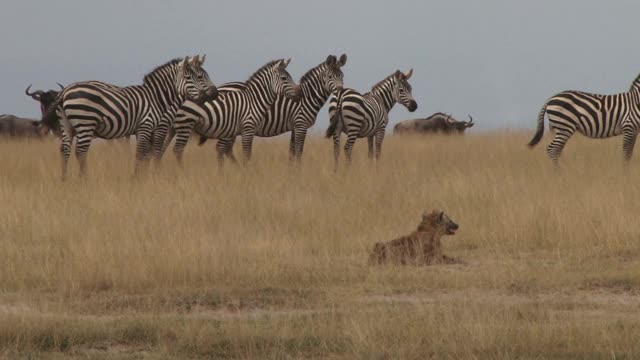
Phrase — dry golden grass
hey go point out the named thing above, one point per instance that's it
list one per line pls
(269, 261)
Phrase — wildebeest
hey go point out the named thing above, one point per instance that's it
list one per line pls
(14, 126)
(50, 120)
(436, 123)
(45, 98)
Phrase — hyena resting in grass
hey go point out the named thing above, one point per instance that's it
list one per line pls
(421, 247)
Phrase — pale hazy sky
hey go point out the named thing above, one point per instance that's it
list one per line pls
(496, 59)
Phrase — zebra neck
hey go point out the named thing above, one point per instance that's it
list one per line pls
(384, 98)
(314, 94)
(162, 90)
(312, 86)
(635, 93)
(260, 92)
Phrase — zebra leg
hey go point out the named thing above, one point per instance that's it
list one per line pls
(65, 151)
(554, 149)
(83, 142)
(336, 149)
(182, 138)
(221, 150)
(348, 146)
(292, 146)
(628, 142)
(301, 136)
(165, 144)
(229, 151)
(224, 147)
(370, 145)
(159, 139)
(144, 138)
(247, 142)
(379, 140)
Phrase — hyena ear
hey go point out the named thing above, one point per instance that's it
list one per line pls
(331, 60)
(441, 216)
(343, 60)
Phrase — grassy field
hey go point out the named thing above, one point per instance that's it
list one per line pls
(269, 261)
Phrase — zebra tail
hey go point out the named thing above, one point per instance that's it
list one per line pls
(203, 139)
(540, 131)
(335, 119)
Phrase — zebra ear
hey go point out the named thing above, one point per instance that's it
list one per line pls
(343, 60)
(193, 60)
(182, 63)
(407, 76)
(331, 60)
(202, 58)
(398, 74)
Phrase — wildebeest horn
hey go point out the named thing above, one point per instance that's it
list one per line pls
(470, 119)
(36, 94)
(61, 86)
(449, 119)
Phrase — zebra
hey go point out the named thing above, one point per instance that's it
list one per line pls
(367, 115)
(286, 115)
(95, 109)
(239, 110)
(593, 115)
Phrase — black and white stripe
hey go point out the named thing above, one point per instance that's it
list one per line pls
(298, 116)
(96, 109)
(367, 115)
(593, 115)
(240, 110)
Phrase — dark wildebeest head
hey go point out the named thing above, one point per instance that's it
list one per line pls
(49, 120)
(460, 126)
(436, 123)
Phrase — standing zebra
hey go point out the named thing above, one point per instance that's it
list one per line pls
(593, 115)
(298, 116)
(240, 110)
(367, 115)
(95, 109)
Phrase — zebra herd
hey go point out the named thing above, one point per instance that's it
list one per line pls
(178, 98)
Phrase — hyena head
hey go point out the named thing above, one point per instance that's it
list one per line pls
(333, 76)
(281, 81)
(438, 221)
(194, 81)
(403, 90)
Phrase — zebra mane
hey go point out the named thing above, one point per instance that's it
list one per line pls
(635, 82)
(309, 74)
(265, 66)
(161, 67)
(380, 83)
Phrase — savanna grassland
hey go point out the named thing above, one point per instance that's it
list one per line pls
(270, 261)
